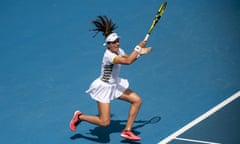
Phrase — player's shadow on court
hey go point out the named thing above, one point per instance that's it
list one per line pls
(102, 134)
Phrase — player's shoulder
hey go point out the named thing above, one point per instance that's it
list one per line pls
(121, 51)
(108, 53)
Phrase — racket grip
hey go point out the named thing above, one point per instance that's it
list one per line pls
(146, 37)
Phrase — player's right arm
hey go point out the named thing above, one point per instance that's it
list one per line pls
(129, 59)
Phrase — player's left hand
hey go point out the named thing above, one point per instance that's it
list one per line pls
(145, 50)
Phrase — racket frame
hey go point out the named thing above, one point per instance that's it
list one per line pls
(156, 19)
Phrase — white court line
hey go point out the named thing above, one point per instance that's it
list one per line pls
(196, 141)
(200, 118)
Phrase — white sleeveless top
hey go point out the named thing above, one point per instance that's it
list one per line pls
(109, 71)
(109, 85)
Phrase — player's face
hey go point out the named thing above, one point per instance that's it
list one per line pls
(114, 46)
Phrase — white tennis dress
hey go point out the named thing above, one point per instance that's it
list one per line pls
(109, 85)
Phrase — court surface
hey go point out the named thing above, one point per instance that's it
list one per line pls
(48, 58)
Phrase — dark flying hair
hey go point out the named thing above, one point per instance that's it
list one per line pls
(103, 24)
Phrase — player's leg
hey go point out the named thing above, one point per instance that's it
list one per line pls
(135, 102)
(104, 115)
(102, 120)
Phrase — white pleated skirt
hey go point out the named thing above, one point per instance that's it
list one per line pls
(105, 92)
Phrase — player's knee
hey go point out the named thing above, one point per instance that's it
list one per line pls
(138, 100)
(105, 122)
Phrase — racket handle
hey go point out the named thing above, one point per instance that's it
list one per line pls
(146, 37)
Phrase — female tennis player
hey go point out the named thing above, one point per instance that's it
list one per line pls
(109, 85)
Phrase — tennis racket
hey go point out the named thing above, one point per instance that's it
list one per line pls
(156, 19)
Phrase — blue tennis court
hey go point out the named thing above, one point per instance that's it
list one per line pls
(48, 58)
